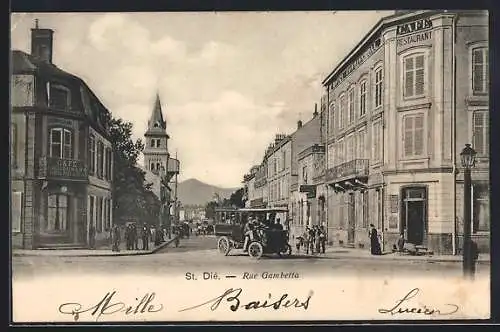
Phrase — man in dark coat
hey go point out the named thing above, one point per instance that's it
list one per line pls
(145, 237)
(374, 243)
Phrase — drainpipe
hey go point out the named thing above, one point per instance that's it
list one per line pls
(454, 134)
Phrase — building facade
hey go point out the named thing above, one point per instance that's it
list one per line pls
(61, 156)
(400, 108)
(279, 167)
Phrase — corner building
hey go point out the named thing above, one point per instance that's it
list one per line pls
(401, 106)
(61, 157)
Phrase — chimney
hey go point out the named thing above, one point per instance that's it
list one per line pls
(315, 109)
(299, 124)
(41, 43)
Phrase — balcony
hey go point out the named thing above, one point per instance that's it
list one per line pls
(351, 170)
(70, 169)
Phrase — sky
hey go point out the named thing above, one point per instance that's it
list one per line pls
(228, 82)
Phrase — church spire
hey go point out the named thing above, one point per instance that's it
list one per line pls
(156, 124)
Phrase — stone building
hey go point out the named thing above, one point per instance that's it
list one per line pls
(61, 159)
(401, 106)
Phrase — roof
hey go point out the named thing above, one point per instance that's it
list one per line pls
(24, 63)
(363, 42)
(156, 124)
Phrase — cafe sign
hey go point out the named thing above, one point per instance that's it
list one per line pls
(412, 27)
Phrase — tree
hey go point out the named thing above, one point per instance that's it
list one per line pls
(210, 210)
(133, 199)
(237, 198)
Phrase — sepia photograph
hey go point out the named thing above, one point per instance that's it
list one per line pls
(249, 166)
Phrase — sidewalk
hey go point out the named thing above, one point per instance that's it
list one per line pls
(89, 252)
(340, 252)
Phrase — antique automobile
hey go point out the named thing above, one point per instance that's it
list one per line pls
(269, 238)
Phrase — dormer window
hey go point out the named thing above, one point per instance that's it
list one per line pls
(59, 97)
(157, 125)
(155, 142)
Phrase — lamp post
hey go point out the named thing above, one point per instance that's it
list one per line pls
(468, 158)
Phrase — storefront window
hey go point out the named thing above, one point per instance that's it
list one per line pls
(57, 212)
(481, 208)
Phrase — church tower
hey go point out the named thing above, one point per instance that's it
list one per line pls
(155, 151)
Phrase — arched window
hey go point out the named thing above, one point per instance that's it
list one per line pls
(61, 143)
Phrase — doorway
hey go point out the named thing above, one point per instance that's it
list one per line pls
(414, 214)
(351, 222)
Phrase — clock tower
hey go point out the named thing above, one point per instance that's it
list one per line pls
(155, 152)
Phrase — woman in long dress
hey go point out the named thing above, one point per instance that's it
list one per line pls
(374, 244)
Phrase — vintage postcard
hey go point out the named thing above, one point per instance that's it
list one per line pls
(250, 166)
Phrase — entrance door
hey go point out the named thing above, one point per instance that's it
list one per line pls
(351, 223)
(414, 215)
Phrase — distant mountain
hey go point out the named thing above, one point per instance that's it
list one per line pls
(195, 192)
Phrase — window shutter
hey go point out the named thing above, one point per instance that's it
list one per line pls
(409, 77)
(477, 68)
(419, 75)
(418, 135)
(408, 135)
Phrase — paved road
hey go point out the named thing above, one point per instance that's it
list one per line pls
(199, 254)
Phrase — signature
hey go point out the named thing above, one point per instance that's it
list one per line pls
(232, 295)
(402, 307)
(108, 306)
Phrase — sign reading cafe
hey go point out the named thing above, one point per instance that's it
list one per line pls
(414, 32)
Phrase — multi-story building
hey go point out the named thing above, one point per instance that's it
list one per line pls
(279, 171)
(306, 168)
(253, 197)
(260, 185)
(401, 105)
(61, 156)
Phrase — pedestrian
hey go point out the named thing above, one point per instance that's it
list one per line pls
(128, 237)
(91, 236)
(401, 243)
(317, 243)
(157, 238)
(145, 237)
(249, 233)
(116, 238)
(312, 237)
(322, 238)
(135, 236)
(374, 242)
(307, 239)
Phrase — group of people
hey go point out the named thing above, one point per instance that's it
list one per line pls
(255, 225)
(132, 235)
(313, 239)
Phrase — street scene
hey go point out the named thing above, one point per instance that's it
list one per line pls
(140, 145)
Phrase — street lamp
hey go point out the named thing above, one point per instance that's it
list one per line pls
(468, 158)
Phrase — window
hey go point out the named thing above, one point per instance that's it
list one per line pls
(341, 155)
(17, 208)
(376, 142)
(413, 135)
(480, 208)
(350, 114)
(362, 98)
(480, 74)
(109, 164)
(304, 174)
(91, 160)
(331, 124)
(342, 105)
(60, 143)
(57, 216)
(13, 144)
(59, 97)
(378, 87)
(414, 73)
(361, 145)
(481, 132)
(99, 214)
(100, 159)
